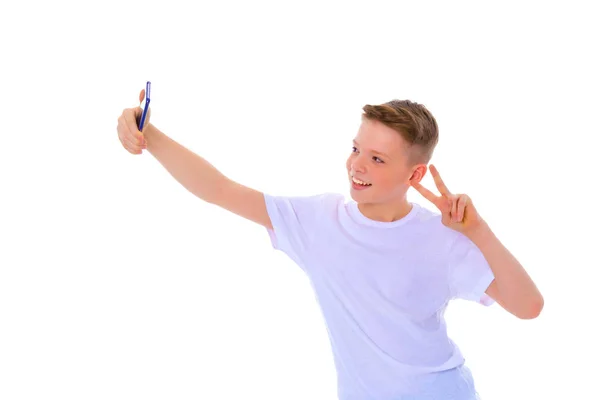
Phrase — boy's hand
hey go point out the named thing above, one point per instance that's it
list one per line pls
(458, 211)
(127, 128)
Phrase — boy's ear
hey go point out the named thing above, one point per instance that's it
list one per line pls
(418, 173)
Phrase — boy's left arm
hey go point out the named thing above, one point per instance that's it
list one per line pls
(512, 287)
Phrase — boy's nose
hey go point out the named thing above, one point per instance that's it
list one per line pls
(358, 167)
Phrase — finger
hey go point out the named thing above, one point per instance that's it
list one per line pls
(132, 147)
(439, 183)
(135, 142)
(428, 194)
(133, 150)
(462, 204)
(129, 147)
(453, 211)
(142, 95)
(127, 135)
(130, 118)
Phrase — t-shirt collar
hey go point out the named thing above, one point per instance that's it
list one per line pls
(360, 218)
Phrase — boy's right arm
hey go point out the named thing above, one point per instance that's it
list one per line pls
(192, 171)
(204, 180)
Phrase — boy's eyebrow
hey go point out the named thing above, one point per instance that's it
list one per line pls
(373, 151)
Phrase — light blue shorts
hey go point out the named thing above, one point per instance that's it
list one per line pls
(453, 384)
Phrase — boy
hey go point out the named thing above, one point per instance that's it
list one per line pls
(383, 269)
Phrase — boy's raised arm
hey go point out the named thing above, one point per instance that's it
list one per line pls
(195, 173)
(204, 180)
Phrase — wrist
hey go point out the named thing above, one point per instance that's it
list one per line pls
(149, 131)
(480, 234)
(151, 134)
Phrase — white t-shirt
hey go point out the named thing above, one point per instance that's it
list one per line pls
(383, 288)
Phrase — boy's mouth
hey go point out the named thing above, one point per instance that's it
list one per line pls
(360, 184)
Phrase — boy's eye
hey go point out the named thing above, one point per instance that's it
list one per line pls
(376, 159)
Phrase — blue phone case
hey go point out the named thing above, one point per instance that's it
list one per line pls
(146, 106)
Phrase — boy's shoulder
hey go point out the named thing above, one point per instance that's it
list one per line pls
(311, 197)
(431, 219)
(427, 225)
(308, 207)
(317, 201)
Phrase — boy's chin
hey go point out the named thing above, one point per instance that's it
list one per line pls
(359, 196)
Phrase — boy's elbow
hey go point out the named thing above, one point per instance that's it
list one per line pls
(534, 310)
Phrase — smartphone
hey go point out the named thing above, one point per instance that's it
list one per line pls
(146, 106)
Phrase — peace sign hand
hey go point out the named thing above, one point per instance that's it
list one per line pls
(457, 210)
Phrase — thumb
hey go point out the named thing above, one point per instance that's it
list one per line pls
(138, 110)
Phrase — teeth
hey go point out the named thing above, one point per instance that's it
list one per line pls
(360, 182)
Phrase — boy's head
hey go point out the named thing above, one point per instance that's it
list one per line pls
(392, 148)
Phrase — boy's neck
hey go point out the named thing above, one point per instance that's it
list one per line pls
(385, 212)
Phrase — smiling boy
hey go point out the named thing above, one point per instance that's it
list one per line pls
(383, 269)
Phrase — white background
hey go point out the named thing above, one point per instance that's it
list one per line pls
(117, 283)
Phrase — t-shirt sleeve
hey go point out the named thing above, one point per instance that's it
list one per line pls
(294, 220)
(469, 272)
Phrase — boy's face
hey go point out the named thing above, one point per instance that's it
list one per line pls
(379, 158)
